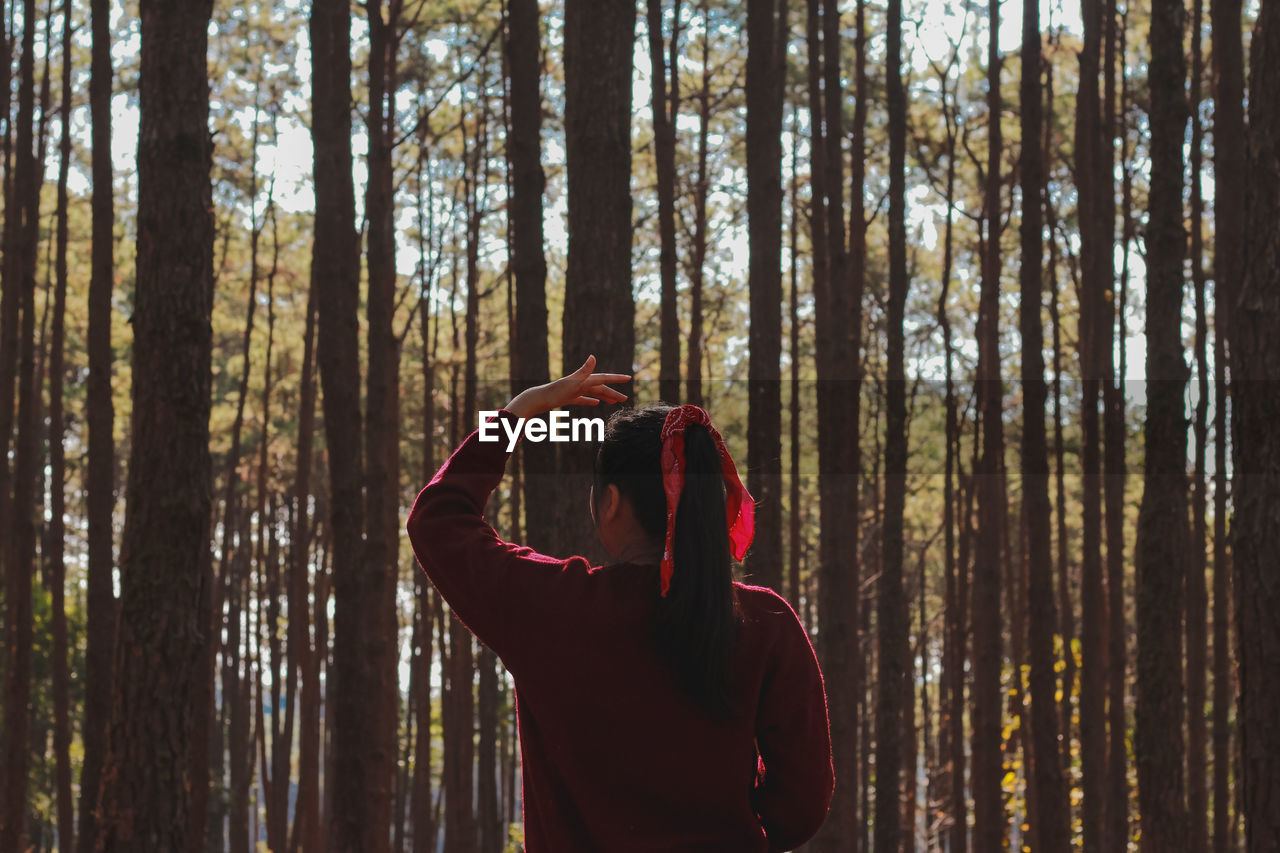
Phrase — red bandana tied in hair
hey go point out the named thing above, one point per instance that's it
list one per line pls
(739, 506)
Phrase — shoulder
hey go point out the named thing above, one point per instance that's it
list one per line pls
(763, 601)
(767, 612)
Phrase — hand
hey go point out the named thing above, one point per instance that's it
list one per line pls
(580, 388)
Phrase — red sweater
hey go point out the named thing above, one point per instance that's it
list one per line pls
(614, 756)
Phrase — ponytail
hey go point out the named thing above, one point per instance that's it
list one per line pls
(695, 624)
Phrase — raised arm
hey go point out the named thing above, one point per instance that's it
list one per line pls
(489, 584)
(500, 590)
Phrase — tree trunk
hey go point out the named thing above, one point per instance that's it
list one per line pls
(1162, 536)
(1255, 364)
(1113, 402)
(22, 216)
(1196, 615)
(795, 541)
(1052, 831)
(837, 297)
(528, 262)
(1228, 275)
(164, 617)
(379, 623)
(1092, 711)
(988, 804)
(665, 86)
(58, 468)
(298, 638)
(891, 612)
(1066, 617)
(698, 252)
(233, 571)
(599, 309)
(764, 88)
(353, 691)
(951, 747)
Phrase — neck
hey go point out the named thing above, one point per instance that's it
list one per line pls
(640, 552)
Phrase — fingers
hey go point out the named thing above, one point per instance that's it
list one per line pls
(584, 401)
(605, 393)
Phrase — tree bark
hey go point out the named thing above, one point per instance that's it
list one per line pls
(58, 468)
(665, 87)
(764, 88)
(988, 804)
(599, 309)
(298, 639)
(890, 835)
(1053, 830)
(698, 251)
(100, 474)
(837, 324)
(1255, 363)
(952, 725)
(1196, 615)
(528, 262)
(336, 280)
(1092, 710)
(1228, 274)
(164, 617)
(20, 248)
(1162, 535)
(379, 623)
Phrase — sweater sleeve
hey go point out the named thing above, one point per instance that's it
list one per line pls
(793, 736)
(504, 593)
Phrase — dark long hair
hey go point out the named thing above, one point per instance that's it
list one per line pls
(695, 625)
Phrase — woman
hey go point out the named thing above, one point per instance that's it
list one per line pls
(662, 705)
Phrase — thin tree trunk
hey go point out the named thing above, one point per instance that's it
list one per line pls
(1162, 536)
(277, 772)
(764, 89)
(698, 252)
(20, 248)
(379, 622)
(531, 363)
(891, 611)
(837, 297)
(10, 308)
(146, 797)
(1092, 711)
(988, 805)
(952, 725)
(794, 540)
(1117, 786)
(1228, 273)
(298, 637)
(235, 561)
(355, 783)
(1255, 364)
(57, 468)
(1196, 616)
(1066, 617)
(423, 827)
(1052, 829)
(665, 87)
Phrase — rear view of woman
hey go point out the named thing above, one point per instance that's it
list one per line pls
(662, 706)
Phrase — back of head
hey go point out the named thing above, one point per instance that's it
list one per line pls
(695, 624)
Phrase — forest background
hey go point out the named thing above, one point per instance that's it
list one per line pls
(983, 298)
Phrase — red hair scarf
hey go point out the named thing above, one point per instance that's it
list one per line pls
(739, 506)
